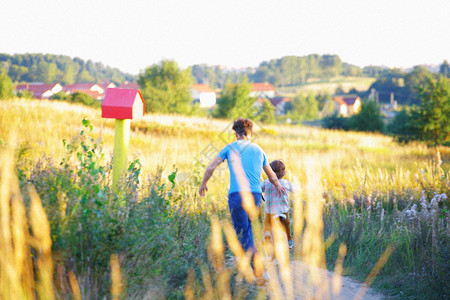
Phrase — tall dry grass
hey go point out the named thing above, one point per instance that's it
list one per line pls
(359, 192)
(26, 262)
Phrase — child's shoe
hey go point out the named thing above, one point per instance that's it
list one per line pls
(291, 244)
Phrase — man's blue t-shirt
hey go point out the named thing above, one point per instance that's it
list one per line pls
(253, 159)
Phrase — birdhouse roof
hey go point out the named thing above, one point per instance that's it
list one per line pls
(121, 104)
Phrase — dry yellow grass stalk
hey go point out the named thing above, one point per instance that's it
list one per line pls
(116, 281)
(216, 247)
(74, 286)
(16, 266)
(337, 275)
(189, 292)
(21, 238)
(10, 282)
(374, 272)
(242, 258)
(42, 242)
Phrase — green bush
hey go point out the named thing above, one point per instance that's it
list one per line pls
(156, 238)
(368, 119)
(77, 97)
(403, 126)
(336, 121)
(25, 94)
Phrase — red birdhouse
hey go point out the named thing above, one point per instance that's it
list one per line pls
(123, 104)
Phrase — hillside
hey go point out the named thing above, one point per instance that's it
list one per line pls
(49, 68)
(346, 84)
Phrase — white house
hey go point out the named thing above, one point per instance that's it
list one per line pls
(262, 90)
(347, 105)
(40, 90)
(203, 94)
(92, 89)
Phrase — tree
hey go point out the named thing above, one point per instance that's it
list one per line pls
(403, 126)
(390, 81)
(61, 96)
(433, 115)
(266, 113)
(312, 107)
(444, 69)
(166, 88)
(69, 74)
(413, 80)
(6, 86)
(79, 97)
(368, 119)
(84, 76)
(235, 101)
(336, 121)
(303, 108)
(16, 72)
(296, 108)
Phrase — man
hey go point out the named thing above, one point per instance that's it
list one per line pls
(246, 160)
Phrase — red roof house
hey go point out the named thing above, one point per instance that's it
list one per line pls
(347, 105)
(203, 94)
(40, 90)
(262, 90)
(277, 102)
(92, 89)
(130, 85)
(106, 85)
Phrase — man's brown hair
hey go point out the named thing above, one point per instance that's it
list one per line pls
(279, 168)
(243, 126)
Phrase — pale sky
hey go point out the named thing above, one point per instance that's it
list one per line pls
(134, 34)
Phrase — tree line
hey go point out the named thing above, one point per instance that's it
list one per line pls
(403, 85)
(166, 89)
(285, 71)
(49, 68)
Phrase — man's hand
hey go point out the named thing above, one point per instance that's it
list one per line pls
(202, 190)
(274, 180)
(281, 190)
(208, 173)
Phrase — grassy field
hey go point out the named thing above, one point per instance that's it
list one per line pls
(330, 86)
(360, 190)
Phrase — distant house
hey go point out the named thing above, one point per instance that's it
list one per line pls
(129, 85)
(40, 90)
(347, 105)
(203, 94)
(107, 85)
(262, 90)
(277, 102)
(92, 89)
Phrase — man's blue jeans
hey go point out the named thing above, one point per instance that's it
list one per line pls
(242, 224)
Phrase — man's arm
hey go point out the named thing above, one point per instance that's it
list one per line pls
(274, 179)
(208, 173)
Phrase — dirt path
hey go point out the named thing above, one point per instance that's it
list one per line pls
(310, 284)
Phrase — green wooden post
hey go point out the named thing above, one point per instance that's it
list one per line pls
(122, 105)
(120, 158)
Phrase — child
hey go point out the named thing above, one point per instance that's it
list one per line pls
(277, 205)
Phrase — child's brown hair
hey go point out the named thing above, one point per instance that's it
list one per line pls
(279, 168)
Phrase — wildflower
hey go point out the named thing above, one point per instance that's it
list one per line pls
(411, 214)
(423, 200)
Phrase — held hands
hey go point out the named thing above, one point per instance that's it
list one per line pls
(280, 189)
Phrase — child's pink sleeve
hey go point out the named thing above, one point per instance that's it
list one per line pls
(291, 187)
